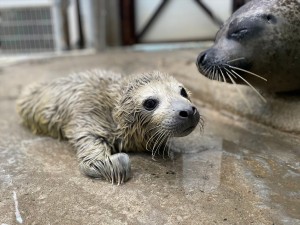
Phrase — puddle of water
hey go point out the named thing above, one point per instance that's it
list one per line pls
(271, 162)
(201, 162)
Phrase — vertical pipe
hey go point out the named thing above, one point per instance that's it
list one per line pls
(127, 9)
(113, 31)
(58, 26)
(94, 23)
(99, 24)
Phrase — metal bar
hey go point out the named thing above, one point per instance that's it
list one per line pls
(127, 9)
(152, 19)
(25, 4)
(58, 26)
(214, 18)
(19, 23)
(26, 37)
(81, 41)
(100, 24)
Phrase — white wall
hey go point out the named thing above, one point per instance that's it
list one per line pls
(180, 19)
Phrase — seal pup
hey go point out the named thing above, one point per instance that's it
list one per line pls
(103, 114)
(259, 45)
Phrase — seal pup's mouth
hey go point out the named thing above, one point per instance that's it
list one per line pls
(190, 129)
(180, 131)
(186, 131)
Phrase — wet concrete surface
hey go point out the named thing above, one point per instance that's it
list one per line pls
(235, 172)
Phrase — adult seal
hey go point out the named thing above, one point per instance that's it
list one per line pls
(103, 114)
(259, 45)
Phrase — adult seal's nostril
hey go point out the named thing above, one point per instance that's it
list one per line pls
(201, 59)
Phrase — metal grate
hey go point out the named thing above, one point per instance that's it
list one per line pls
(26, 30)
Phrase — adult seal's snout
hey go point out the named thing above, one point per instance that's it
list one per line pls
(258, 45)
(201, 60)
(206, 60)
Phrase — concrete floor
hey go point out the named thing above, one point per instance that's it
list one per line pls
(235, 172)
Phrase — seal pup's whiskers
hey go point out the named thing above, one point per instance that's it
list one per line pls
(201, 124)
(158, 143)
(149, 142)
(157, 137)
(167, 145)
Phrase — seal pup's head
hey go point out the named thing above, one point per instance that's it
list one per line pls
(153, 107)
(259, 45)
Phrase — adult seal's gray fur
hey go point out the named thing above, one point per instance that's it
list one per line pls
(103, 114)
(258, 45)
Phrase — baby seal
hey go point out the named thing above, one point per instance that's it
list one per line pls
(103, 114)
(259, 45)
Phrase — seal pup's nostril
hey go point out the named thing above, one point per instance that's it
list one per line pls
(194, 110)
(183, 114)
(189, 112)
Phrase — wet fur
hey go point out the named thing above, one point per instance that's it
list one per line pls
(99, 113)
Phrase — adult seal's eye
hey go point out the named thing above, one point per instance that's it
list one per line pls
(183, 93)
(239, 33)
(150, 104)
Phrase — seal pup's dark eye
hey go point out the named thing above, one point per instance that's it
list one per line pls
(183, 93)
(150, 104)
